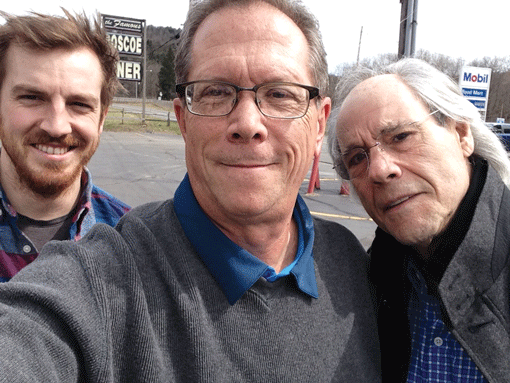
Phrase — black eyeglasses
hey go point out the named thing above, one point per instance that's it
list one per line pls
(284, 100)
(394, 140)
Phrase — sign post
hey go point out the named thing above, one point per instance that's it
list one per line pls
(475, 83)
(129, 37)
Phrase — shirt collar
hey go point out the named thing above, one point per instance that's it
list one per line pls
(84, 214)
(84, 204)
(449, 241)
(234, 268)
(6, 204)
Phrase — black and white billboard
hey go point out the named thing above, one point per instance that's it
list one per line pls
(126, 35)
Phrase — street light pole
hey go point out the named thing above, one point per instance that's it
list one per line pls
(359, 45)
(408, 26)
(144, 79)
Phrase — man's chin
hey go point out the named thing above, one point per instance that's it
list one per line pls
(49, 190)
(52, 185)
(49, 179)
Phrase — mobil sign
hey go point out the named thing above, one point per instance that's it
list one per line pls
(474, 83)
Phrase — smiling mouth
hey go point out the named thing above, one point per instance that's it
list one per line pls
(247, 166)
(396, 203)
(52, 149)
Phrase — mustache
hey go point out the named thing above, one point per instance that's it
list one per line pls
(41, 137)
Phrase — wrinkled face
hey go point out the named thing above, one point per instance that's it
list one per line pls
(50, 116)
(246, 165)
(413, 193)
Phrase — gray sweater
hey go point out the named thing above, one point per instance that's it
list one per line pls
(136, 304)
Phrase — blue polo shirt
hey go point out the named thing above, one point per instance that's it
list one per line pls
(234, 268)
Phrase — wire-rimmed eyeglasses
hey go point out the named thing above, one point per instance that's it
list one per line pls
(395, 139)
(285, 100)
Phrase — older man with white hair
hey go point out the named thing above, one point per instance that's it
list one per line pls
(435, 180)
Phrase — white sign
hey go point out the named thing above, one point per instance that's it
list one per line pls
(475, 83)
(129, 70)
(127, 36)
(126, 44)
(122, 23)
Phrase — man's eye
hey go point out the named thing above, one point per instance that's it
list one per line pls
(283, 94)
(81, 105)
(356, 158)
(400, 137)
(28, 97)
(278, 93)
(216, 92)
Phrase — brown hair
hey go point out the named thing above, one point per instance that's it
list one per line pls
(44, 32)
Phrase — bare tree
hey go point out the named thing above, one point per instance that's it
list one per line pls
(499, 93)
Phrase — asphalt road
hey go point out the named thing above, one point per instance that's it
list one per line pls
(143, 167)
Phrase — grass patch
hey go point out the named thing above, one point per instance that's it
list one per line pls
(116, 121)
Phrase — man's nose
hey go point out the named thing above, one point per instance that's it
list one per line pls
(56, 121)
(246, 122)
(382, 165)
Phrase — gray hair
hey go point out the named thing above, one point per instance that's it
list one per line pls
(294, 9)
(439, 93)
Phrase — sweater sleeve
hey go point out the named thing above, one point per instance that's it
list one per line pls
(53, 327)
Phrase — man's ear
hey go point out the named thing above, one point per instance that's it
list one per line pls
(324, 111)
(179, 110)
(103, 119)
(465, 137)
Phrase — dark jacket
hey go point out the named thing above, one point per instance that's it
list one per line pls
(474, 289)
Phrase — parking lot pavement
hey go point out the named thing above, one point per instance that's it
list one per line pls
(144, 167)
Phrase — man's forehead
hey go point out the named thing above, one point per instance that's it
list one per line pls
(258, 36)
(385, 98)
(257, 20)
(379, 90)
(377, 105)
(79, 56)
(74, 72)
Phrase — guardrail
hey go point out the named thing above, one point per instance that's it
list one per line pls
(130, 100)
(130, 109)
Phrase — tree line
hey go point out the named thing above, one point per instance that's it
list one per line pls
(162, 41)
(499, 93)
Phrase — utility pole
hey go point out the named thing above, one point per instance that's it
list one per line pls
(408, 24)
(144, 78)
(359, 45)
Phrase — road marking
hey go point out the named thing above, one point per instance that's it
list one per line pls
(323, 179)
(341, 216)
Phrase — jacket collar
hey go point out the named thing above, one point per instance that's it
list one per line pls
(480, 258)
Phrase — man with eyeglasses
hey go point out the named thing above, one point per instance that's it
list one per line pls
(232, 280)
(435, 179)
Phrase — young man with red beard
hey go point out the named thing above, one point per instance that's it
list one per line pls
(57, 79)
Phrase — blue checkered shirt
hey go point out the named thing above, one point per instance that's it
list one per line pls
(436, 356)
(17, 250)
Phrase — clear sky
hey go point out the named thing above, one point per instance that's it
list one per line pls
(465, 29)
